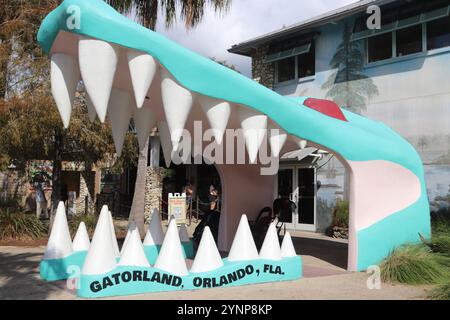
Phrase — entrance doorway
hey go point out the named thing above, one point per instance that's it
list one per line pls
(299, 184)
(201, 177)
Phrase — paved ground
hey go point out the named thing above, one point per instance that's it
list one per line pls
(325, 277)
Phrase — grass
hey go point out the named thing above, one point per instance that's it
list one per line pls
(424, 263)
(20, 226)
(440, 292)
(9, 203)
(415, 264)
(341, 214)
(89, 220)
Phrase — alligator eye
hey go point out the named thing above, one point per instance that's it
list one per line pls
(325, 107)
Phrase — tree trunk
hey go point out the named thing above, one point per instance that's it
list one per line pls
(56, 175)
(138, 205)
(4, 58)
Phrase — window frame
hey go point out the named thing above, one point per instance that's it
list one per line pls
(394, 57)
(393, 49)
(424, 18)
(296, 75)
(277, 70)
(426, 36)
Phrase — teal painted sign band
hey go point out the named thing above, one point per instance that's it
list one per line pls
(151, 253)
(188, 249)
(136, 280)
(61, 269)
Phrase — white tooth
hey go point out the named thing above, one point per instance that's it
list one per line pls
(171, 256)
(243, 246)
(148, 240)
(142, 70)
(119, 113)
(270, 248)
(144, 120)
(183, 233)
(98, 62)
(254, 125)
(100, 258)
(131, 227)
(64, 75)
(59, 244)
(81, 240)
(287, 247)
(277, 139)
(155, 233)
(91, 109)
(207, 257)
(218, 113)
(302, 144)
(177, 103)
(166, 144)
(113, 232)
(133, 254)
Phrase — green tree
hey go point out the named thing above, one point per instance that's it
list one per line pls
(347, 85)
(30, 124)
(191, 11)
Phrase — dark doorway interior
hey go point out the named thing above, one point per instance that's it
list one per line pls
(201, 177)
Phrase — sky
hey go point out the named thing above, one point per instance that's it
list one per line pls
(245, 20)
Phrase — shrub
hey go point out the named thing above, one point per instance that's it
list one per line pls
(20, 226)
(89, 220)
(440, 235)
(341, 214)
(441, 292)
(440, 220)
(440, 243)
(9, 203)
(415, 264)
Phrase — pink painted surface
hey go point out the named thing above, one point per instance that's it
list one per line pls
(244, 190)
(381, 188)
(377, 189)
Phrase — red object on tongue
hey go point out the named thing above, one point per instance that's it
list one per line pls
(325, 107)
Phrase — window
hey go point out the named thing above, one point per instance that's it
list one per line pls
(409, 40)
(379, 47)
(300, 66)
(413, 26)
(286, 69)
(306, 64)
(438, 33)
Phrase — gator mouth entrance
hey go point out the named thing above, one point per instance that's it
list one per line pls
(130, 72)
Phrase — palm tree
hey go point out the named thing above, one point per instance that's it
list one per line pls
(347, 85)
(191, 11)
(147, 11)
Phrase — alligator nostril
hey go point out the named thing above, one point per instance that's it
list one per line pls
(325, 107)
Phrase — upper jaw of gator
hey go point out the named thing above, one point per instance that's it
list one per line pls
(123, 83)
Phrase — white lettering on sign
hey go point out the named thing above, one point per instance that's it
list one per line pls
(374, 21)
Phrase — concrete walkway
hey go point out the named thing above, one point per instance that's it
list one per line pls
(325, 277)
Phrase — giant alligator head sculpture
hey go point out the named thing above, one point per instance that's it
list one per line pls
(130, 71)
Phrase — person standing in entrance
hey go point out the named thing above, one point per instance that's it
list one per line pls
(213, 197)
(41, 201)
(188, 189)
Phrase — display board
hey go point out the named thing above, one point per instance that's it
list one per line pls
(177, 207)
